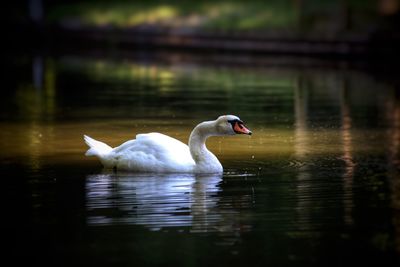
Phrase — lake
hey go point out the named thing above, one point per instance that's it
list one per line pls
(317, 184)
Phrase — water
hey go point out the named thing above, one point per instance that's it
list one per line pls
(316, 184)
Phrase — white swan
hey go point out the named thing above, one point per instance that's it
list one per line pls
(156, 152)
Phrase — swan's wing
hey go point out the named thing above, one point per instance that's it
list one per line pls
(124, 146)
(156, 142)
(154, 149)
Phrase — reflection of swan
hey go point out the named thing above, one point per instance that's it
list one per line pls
(155, 201)
(155, 152)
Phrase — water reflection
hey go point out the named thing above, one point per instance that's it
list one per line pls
(347, 155)
(301, 147)
(318, 207)
(36, 104)
(37, 72)
(156, 201)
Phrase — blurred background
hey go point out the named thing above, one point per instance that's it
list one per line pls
(317, 184)
(342, 27)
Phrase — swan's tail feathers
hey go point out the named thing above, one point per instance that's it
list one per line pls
(97, 148)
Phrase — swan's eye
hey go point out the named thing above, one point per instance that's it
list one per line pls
(236, 121)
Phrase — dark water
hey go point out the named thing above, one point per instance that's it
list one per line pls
(317, 184)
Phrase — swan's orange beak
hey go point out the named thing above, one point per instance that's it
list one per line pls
(240, 128)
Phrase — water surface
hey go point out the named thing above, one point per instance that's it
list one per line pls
(316, 184)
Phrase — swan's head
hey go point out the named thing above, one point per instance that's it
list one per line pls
(231, 125)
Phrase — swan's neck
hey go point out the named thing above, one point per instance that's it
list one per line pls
(204, 159)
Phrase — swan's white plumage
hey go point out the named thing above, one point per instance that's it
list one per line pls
(156, 152)
(153, 152)
(97, 148)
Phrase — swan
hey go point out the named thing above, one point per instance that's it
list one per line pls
(156, 152)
